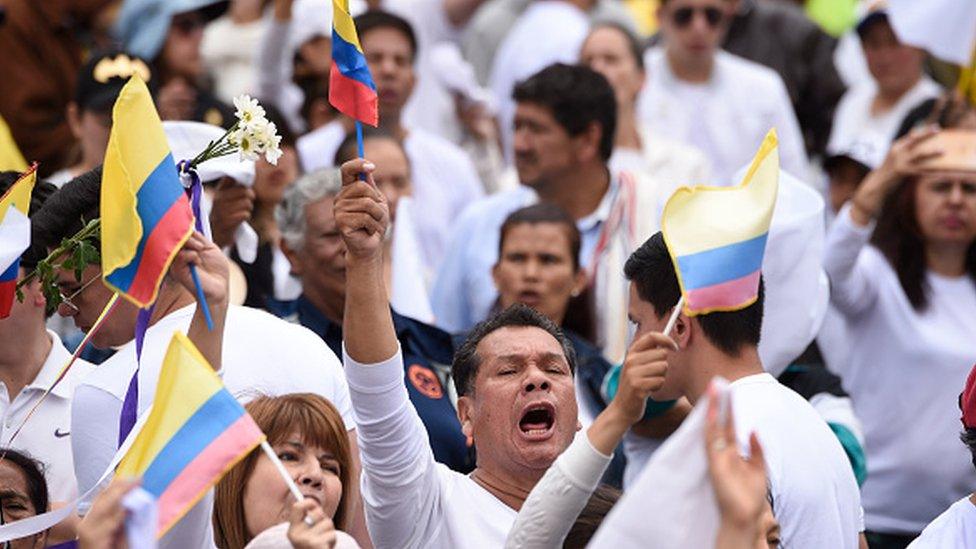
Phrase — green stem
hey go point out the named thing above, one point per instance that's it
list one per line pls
(88, 231)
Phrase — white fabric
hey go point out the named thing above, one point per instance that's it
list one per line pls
(285, 359)
(733, 112)
(141, 519)
(557, 499)
(230, 54)
(46, 436)
(663, 509)
(409, 294)
(412, 501)
(947, 28)
(854, 124)
(188, 138)
(14, 236)
(667, 161)
(276, 537)
(904, 374)
(522, 53)
(444, 181)
(955, 528)
(815, 496)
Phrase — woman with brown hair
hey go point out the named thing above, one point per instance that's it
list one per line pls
(901, 258)
(252, 501)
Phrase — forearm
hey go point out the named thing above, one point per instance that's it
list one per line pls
(209, 342)
(851, 287)
(367, 325)
(459, 12)
(607, 430)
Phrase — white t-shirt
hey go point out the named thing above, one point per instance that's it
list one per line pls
(444, 181)
(955, 528)
(523, 52)
(853, 120)
(726, 117)
(815, 496)
(904, 372)
(410, 499)
(262, 355)
(46, 436)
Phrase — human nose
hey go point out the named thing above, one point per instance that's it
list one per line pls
(532, 269)
(310, 474)
(536, 381)
(956, 195)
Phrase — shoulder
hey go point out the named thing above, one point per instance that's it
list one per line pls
(489, 212)
(948, 526)
(255, 336)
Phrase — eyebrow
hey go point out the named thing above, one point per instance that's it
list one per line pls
(7, 495)
(545, 357)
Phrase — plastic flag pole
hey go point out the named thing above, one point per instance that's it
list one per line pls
(674, 316)
(200, 297)
(292, 487)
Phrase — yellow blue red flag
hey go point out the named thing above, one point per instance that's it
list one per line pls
(717, 235)
(14, 236)
(351, 88)
(10, 156)
(194, 434)
(146, 216)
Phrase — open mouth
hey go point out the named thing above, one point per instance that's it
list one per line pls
(537, 420)
(529, 298)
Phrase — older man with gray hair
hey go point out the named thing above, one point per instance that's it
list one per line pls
(312, 243)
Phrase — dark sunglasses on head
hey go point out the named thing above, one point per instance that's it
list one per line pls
(682, 17)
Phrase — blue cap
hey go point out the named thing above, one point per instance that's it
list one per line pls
(142, 25)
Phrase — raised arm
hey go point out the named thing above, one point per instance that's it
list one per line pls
(553, 505)
(853, 287)
(213, 273)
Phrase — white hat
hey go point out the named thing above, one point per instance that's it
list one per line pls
(188, 139)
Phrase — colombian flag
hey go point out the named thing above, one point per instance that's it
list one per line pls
(14, 236)
(195, 433)
(351, 88)
(717, 235)
(10, 156)
(146, 216)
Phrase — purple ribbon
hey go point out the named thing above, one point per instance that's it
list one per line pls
(130, 404)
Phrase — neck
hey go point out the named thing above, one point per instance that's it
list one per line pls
(946, 260)
(172, 297)
(580, 191)
(888, 97)
(627, 136)
(692, 71)
(22, 354)
(509, 489)
(330, 304)
(392, 125)
(709, 362)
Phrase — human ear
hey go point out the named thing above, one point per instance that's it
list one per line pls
(464, 413)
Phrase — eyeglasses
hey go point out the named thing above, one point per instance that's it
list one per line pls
(682, 17)
(69, 306)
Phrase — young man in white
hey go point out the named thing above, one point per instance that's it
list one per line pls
(718, 102)
(516, 402)
(31, 357)
(815, 496)
(262, 355)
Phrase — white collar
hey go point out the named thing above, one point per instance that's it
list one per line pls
(57, 357)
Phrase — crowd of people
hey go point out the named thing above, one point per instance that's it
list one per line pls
(458, 334)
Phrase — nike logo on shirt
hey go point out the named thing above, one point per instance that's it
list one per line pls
(59, 434)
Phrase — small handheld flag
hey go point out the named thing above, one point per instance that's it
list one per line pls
(717, 235)
(146, 216)
(10, 156)
(351, 88)
(14, 236)
(195, 433)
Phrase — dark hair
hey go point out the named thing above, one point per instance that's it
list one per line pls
(380, 19)
(651, 270)
(314, 88)
(968, 437)
(899, 238)
(591, 517)
(464, 369)
(349, 147)
(67, 211)
(543, 212)
(42, 191)
(34, 475)
(577, 96)
(634, 44)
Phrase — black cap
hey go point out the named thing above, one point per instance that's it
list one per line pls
(102, 77)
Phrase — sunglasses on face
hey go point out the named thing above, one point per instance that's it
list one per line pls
(682, 17)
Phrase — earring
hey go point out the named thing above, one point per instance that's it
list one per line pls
(575, 293)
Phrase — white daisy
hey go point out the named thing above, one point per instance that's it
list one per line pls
(248, 110)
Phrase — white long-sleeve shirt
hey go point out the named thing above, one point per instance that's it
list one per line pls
(411, 500)
(726, 117)
(551, 509)
(904, 374)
